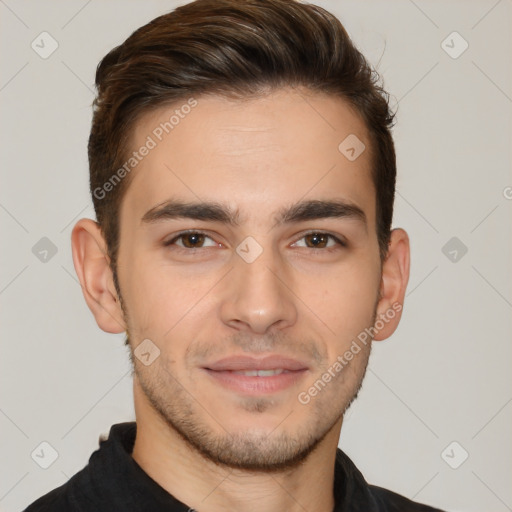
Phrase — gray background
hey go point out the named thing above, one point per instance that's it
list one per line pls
(443, 377)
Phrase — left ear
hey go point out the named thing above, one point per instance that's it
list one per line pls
(395, 276)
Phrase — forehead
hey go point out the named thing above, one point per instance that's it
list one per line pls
(250, 153)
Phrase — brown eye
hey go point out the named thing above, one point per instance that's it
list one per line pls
(317, 240)
(192, 240)
(320, 240)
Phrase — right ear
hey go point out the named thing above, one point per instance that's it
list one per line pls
(92, 266)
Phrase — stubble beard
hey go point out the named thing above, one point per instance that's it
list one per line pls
(250, 450)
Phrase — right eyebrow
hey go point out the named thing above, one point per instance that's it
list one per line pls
(208, 211)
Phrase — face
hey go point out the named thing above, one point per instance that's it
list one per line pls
(249, 257)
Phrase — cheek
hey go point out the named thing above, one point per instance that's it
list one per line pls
(160, 297)
(344, 301)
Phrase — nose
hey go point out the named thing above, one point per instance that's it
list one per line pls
(259, 295)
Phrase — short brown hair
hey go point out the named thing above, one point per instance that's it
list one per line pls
(233, 48)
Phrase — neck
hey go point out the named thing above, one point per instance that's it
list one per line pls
(201, 484)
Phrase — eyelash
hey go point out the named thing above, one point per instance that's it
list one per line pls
(338, 241)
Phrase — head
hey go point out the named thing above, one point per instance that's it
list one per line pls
(242, 170)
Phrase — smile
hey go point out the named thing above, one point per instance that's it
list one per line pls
(260, 373)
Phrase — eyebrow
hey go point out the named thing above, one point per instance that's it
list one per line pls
(216, 212)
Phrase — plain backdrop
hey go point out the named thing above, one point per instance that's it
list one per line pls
(439, 390)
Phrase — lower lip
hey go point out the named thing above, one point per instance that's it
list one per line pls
(256, 385)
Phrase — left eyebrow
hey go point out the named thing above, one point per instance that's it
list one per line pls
(216, 212)
(321, 209)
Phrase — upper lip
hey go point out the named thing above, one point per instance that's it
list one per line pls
(272, 362)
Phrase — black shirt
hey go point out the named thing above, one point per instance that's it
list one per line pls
(113, 481)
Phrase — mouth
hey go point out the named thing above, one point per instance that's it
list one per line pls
(253, 376)
(260, 373)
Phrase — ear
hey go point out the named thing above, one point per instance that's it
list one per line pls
(395, 276)
(92, 266)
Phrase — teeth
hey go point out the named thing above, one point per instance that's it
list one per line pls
(259, 373)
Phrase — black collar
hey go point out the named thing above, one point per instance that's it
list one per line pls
(113, 479)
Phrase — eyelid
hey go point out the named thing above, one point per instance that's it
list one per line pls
(177, 236)
(338, 239)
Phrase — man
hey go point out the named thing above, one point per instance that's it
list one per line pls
(242, 171)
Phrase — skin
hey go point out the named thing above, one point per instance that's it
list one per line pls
(211, 447)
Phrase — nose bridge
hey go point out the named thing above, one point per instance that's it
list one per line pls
(262, 272)
(258, 297)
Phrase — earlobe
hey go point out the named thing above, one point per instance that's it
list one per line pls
(91, 263)
(395, 276)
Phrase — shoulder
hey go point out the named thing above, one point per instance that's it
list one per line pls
(352, 492)
(391, 502)
(95, 484)
(54, 501)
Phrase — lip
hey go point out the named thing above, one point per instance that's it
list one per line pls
(272, 362)
(223, 372)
